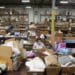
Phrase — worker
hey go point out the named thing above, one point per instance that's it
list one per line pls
(60, 47)
(32, 30)
(38, 44)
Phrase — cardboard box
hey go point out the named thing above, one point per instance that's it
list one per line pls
(51, 60)
(59, 34)
(5, 51)
(8, 40)
(2, 32)
(35, 73)
(68, 70)
(15, 42)
(5, 56)
(69, 38)
(52, 70)
(7, 62)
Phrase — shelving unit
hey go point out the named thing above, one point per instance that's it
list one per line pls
(43, 16)
(63, 21)
(19, 20)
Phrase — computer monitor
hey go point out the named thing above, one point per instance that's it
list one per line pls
(17, 33)
(70, 44)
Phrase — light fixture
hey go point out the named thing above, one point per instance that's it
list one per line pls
(64, 2)
(28, 6)
(2, 7)
(55, 7)
(25, 1)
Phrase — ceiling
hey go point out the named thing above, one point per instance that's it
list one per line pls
(35, 2)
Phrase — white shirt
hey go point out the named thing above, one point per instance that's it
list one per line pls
(38, 45)
(42, 36)
(32, 33)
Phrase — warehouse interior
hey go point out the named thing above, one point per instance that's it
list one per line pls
(37, 37)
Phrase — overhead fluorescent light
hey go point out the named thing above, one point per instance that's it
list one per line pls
(64, 2)
(25, 1)
(2, 7)
(28, 7)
